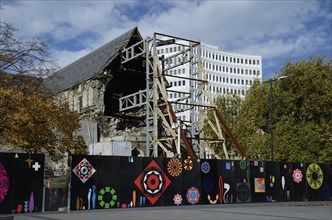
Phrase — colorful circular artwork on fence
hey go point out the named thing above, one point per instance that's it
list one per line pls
(314, 176)
(243, 192)
(297, 175)
(205, 167)
(152, 182)
(243, 164)
(107, 197)
(174, 167)
(188, 164)
(4, 182)
(193, 195)
(84, 170)
(177, 199)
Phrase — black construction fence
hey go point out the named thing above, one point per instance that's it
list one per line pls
(102, 182)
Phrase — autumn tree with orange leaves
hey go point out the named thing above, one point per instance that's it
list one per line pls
(30, 117)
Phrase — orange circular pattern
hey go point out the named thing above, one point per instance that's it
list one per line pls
(174, 167)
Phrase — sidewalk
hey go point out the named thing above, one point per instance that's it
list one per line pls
(247, 211)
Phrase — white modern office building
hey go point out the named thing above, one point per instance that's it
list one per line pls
(226, 73)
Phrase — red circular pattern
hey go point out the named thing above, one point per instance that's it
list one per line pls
(152, 182)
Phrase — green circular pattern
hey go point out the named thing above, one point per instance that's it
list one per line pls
(101, 197)
(243, 164)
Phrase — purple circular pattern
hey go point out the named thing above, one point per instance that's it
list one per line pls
(4, 182)
(205, 167)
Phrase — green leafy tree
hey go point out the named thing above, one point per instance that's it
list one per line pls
(302, 114)
(228, 106)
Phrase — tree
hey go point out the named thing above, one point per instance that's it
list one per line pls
(228, 106)
(23, 57)
(30, 117)
(301, 113)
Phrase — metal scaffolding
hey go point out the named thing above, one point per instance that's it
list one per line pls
(165, 133)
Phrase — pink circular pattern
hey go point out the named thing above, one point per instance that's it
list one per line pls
(4, 182)
(177, 199)
(297, 175)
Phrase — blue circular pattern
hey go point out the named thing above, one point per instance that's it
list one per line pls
(205, 167)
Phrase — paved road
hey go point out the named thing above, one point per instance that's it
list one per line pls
(266, 211)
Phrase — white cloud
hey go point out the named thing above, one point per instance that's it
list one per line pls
(272, 29)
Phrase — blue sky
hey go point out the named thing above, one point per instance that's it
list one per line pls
(277, 30)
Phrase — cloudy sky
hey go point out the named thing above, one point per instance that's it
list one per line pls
(277, 30)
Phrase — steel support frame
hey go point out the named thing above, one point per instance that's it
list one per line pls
(157, 106)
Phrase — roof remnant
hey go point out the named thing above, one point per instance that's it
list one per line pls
(90, 65)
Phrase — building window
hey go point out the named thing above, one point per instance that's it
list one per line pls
(80, 103)
(257, 62)
(246, 61)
